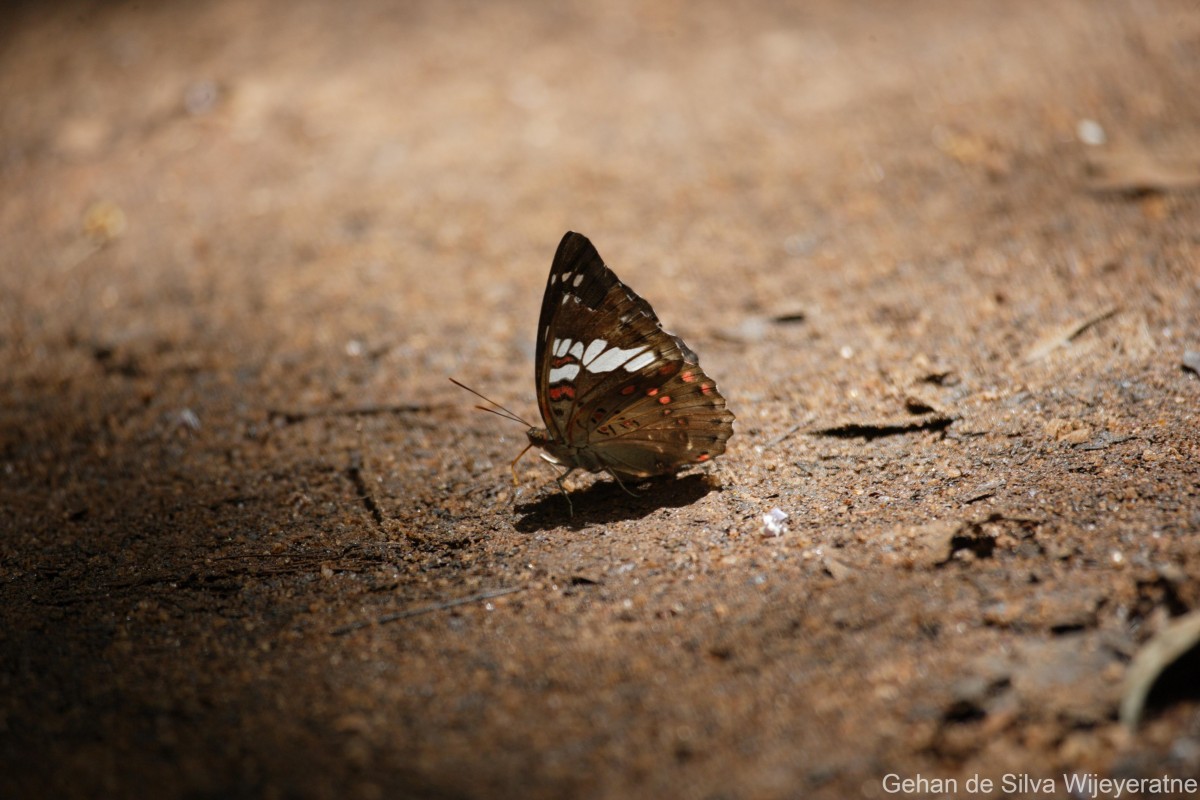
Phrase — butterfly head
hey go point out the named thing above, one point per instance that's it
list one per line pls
(538, 437)
(558, 452)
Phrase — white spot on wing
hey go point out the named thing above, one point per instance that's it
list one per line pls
(593, 350)
(577, 350)
(643, 360)
(578, 280)
(560, 346)
(616, 357)
(566, 372)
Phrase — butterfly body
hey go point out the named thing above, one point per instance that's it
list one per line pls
(616, 392)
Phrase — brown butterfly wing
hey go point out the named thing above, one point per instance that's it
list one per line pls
(674, 416)
(612, 382)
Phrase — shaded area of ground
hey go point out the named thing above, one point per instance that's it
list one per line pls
(940, 257)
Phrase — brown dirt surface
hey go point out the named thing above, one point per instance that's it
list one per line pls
(940, 257)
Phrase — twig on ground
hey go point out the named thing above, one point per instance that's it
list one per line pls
(429, 609)
(292, 416)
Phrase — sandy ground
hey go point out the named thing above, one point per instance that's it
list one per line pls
(940, 257)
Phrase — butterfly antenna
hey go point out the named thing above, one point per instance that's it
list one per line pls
(507, 414)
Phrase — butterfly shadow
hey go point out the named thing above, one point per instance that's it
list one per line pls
(604, 501)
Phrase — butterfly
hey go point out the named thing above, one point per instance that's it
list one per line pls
(617, 393)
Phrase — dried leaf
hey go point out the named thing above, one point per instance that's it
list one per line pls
(837, 570)
(1062, 335)
(935, 540)
(887, 427)
(981, 492)
(1134, 172)
(1163, 650)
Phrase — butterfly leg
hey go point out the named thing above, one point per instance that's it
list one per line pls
(623, 486)
(513, 465)
(559, 480)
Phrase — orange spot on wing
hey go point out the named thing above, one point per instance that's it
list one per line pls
(628, 390)
(666, 398)
(706, 388)
(703, 457)
(687, 375)
(651, 392)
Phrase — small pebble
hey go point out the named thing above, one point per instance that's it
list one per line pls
(1090, 132)
(1191, 360)
(774, 522)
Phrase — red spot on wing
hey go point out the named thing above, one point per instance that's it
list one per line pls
(666, 369)
(558, 362)
(559, 392)
(628, 390)
(706, 388)
(666, 398)
(703, 457)
(651, 392)
(688, 376)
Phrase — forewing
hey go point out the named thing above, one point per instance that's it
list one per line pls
(590, 327)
